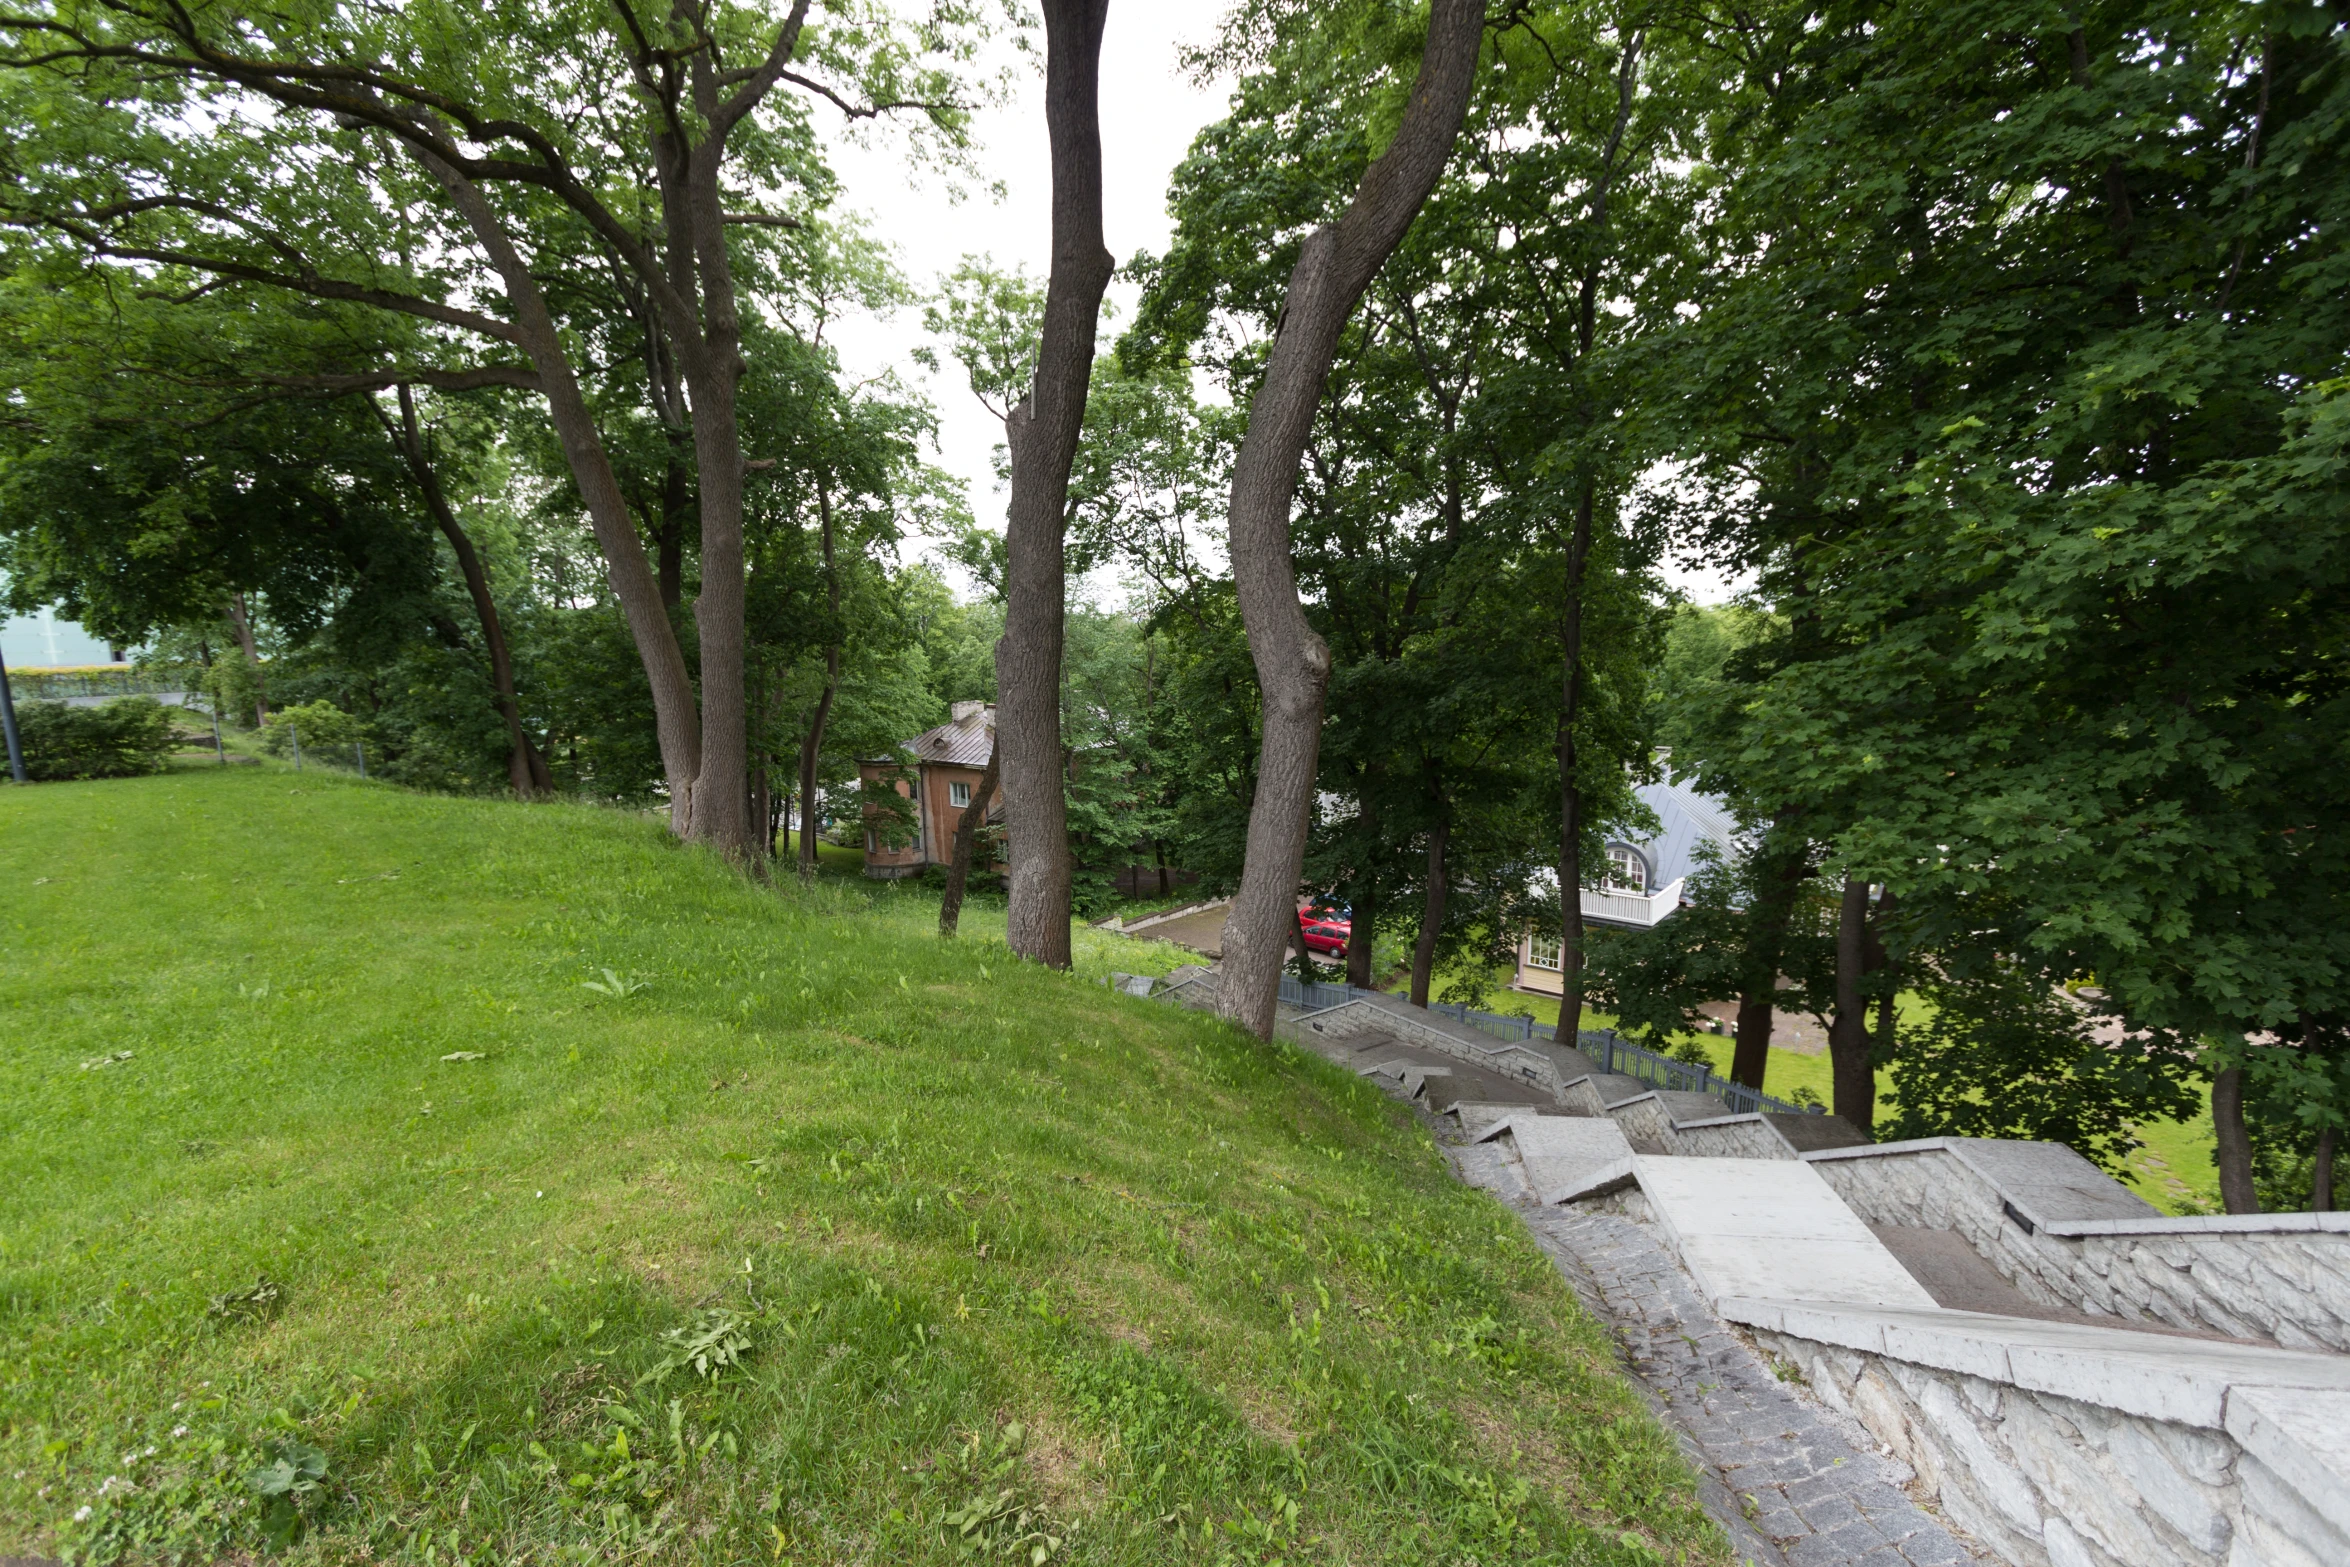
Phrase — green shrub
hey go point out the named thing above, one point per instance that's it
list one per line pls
(325, 729)
(125, 738)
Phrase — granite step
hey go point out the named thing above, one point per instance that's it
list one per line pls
(1567, 1157)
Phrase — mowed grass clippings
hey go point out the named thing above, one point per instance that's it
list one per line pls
(394, 1178)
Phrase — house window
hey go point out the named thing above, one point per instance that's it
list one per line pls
(1626, 871)
(872, 843)
(958, 794)
(1542, 952)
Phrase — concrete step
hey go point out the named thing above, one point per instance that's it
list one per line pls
(1567, 1157)
(1771, 1229)
(1476, 1117)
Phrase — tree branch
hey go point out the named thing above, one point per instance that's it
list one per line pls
(301, 283)
(472, 380)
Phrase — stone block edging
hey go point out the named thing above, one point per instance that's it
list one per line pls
(2061, 1445)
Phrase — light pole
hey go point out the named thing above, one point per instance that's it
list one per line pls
(8, 723)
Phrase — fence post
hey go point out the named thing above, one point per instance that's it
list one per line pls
(297, 734)
(359, 749)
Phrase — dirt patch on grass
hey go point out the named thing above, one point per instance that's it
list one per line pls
(1067, 1473)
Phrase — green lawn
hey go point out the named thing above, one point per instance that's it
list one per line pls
(976, 1254)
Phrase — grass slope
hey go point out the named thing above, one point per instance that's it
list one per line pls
(979, 1258)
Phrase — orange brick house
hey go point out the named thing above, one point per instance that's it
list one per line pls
(948, 763)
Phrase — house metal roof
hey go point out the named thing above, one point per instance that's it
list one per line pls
(1689, 819)
(959, 742)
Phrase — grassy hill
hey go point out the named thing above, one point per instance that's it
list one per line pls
(337, 1207)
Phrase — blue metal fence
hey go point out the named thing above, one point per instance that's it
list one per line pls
(1608, 1050)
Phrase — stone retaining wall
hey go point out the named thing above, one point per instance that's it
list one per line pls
(2284, 1277)
(2051, 1481)
(1645, 1124)
(1740, 1137)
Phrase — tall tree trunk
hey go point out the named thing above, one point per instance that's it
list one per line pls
(2321, 1174)
(722, 815)
(1432, 911)
(1042, 433)
(1785, 862)
(526, 769)
(1750, 1052)
(1880, 964)
(241, 619)
(1848, 1032)
(1359, 940)
(974, 817)
(812, 746)
(2232, 1144)
(811, 750)
(1334, 266)
(1570, 863)
(677, 499)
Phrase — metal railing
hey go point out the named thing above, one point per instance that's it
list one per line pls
(1608, 1050)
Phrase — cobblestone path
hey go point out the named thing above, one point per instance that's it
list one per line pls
(1781, 1475)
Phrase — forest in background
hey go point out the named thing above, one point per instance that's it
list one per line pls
(361, 360)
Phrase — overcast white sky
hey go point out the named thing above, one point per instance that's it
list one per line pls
(1150, 113)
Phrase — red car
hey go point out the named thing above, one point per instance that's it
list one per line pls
(1327, 931)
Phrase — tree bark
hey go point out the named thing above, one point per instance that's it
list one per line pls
(1880, 963)
(242, 621)
(811, 747)
(1750, 1054)
(1432, 912)
(2321, 1174)
(974, 817)
(669, 543)
(1848, 1033)
(2232, 1145)
(526, 769)
(1042, 434)
(1334, 266)
(1359, 941)
(1780, 877)
(1570, 863)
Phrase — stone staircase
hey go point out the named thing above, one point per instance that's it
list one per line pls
(2071, 1377)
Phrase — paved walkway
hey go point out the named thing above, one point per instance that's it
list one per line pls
(1792, 1485)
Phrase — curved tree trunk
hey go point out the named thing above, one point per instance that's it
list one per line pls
(526, 769)
(1335, 265)
(950, 908)
(241, 619)
(677, 722)
(1042, 434)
